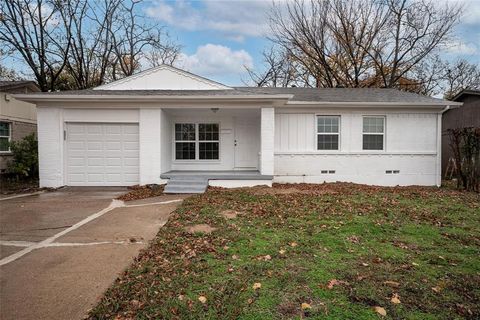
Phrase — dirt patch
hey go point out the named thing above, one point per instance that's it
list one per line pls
(230, 214)
(200, 228)
(142, 192)
(10, 185)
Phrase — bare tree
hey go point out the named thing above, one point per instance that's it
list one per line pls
(39, 31)
(166, 53)
(91, 49)
(414, 29)
(133, 37)
(329, 38)
(357, 43)
(281, 70)
(458, 76)
(78, 44)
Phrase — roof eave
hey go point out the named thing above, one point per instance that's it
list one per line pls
(439, 104)
(146, 98)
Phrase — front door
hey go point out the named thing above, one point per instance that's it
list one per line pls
(247, 143)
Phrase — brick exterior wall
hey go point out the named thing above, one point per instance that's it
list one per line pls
(18, 131)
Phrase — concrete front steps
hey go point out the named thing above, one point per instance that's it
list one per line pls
(198, 181)
(187, 184)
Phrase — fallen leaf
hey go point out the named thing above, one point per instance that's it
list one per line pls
(282, 252)
(381, 311)
(293, 244)
(306, 306)
(181, 297)
(235, 257)
(395, 299)
(364, 264)
(335, 282)
(202, 299)
(256, 286)
(437, 289)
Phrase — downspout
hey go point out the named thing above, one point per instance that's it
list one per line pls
(439, 145)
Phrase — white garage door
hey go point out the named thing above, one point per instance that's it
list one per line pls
(102, 154)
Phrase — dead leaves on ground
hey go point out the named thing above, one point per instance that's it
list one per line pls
(381, 311)
(142, 192)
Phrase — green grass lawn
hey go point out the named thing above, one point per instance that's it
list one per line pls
(339, 249)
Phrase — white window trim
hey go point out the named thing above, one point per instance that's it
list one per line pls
(9, 137)
(328, 133)
(197, 143)
(376, 133)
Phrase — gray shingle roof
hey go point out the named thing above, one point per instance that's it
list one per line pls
(334, 95)
(347, 94)
(7, 84)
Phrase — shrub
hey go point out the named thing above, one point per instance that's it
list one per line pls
(24, 164)
(465, 144)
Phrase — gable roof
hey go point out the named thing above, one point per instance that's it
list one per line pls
(163, 77)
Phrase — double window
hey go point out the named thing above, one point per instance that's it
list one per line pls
(5, 136)
(197, 141)
(373, 133)
(328, 132)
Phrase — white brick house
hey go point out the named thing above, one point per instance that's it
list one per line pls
(165, 122)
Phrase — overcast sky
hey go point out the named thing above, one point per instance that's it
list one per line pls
(221, 37)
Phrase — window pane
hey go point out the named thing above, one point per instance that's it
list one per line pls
(328, 124)
(4, 144)
(4, 129)
(327, 142)
(185, 150)
(184, 131)
(372, 142)
(373, 124)
(208, 150)
(208, 131)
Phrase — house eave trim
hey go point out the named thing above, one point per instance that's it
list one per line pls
(150, 98)
(441, 104)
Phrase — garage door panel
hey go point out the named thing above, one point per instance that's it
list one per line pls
(94, 129)
(96, 177)
(113, 129)
(131, 130)
(76, 145)
(95, 146)
(113, 145)
(96, 161)
(114, 161)
(130, 146)
(130, 162)
(131, 178)
(102, 154)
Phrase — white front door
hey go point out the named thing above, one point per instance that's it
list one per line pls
(247, 142)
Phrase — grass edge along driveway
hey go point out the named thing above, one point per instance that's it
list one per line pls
(330, 251)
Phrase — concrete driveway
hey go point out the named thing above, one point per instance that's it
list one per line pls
(60, 251)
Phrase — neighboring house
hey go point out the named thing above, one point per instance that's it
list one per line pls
(166, 123)
(466, 116)
(17, 118)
